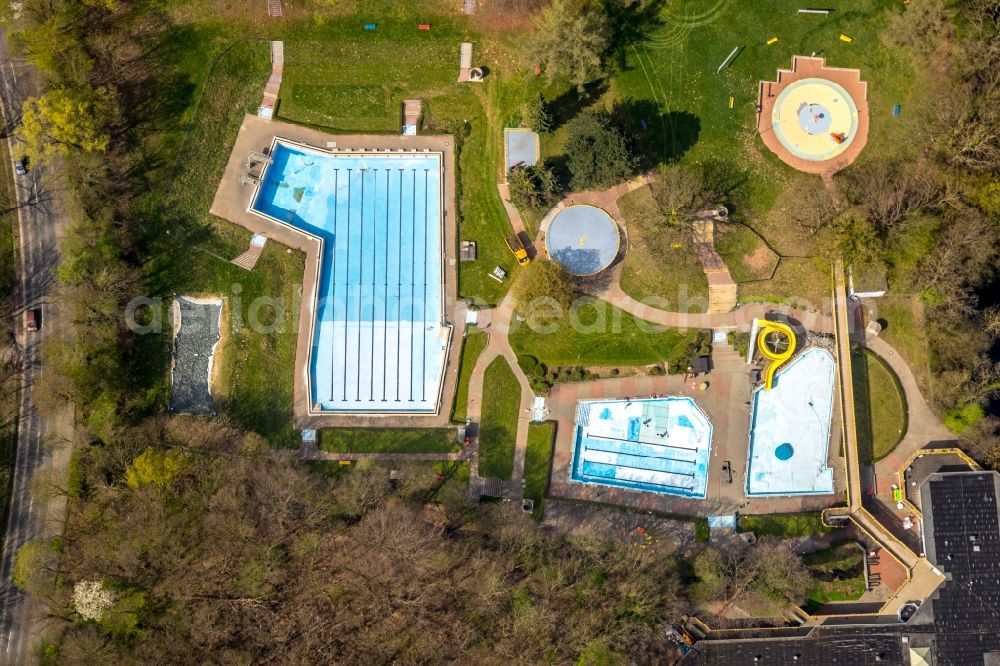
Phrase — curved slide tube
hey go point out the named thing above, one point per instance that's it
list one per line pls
(777, 360)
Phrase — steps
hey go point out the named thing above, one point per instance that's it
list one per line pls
(469, 6)
(270, 99)
(249, 258)
(274, 8)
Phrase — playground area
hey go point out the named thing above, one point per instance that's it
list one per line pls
(814, 117)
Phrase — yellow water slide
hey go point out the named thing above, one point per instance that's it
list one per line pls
(776, 343)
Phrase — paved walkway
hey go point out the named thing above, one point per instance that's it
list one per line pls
(923, 425)
(499, 346)
(273, 85)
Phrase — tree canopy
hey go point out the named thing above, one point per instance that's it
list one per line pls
(68, 119)
(570, 39)
(543, 290)
(598, 153)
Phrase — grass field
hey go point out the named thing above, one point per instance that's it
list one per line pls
(472, 346)
(654, 271)
(881, 406)
(538, 463)
(784, 525)
(393, 440)
(602, 335)
(903, 327)
(256, 367)
(670, 81)
(498, 429)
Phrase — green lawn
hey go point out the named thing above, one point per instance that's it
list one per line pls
(670, 81)
(902, 322)
(188, 253)
(498, 429)
(8, 324)
(784, 525)
(660, 268)
(881, 406)
(472, 346)
(745, 253)
(393, 440)
(538, 463)
(601, 334)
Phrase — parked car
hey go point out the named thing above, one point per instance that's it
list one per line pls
(517, 247)
(33, 320)
(21, 167)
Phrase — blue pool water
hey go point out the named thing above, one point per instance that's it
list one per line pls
(379, 344)
(658, 445)
(790, 429)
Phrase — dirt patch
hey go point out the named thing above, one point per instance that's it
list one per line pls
(759, 261)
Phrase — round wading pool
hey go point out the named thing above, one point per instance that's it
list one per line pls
(584, 239)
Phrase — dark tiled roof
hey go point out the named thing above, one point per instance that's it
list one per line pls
(962, 535)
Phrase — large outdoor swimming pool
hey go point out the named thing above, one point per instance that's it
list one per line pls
(790, 429)
(659, 445)
(379, 342)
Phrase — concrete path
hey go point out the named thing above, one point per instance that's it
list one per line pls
(923, 425)
(499, 346)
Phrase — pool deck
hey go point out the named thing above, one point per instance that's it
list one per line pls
(232, 203)
(725, 404)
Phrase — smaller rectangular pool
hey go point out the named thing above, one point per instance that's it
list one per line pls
(659, 445)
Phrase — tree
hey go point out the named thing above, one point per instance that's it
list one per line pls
(66, 120)
(755, 578)
(570, 39)
(156, 468)
(543, 290)
(537, 115)
(598, 154)
(889, 193)
(680, 193)
(531, 186)
(855, 240)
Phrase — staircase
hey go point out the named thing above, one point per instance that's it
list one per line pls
(273, 85)
(274, 8)
(249, 258)
(723, 351)
(468, 6)
(721, 287)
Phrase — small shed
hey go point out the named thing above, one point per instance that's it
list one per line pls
(701, 365)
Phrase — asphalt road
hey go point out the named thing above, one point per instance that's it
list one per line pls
(39, 227)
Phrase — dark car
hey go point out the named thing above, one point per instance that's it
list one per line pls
(20, 167)
(33, 320)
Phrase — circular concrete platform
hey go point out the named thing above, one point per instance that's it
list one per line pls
(584, 239)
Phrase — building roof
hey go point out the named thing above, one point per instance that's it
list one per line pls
(960, 623)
